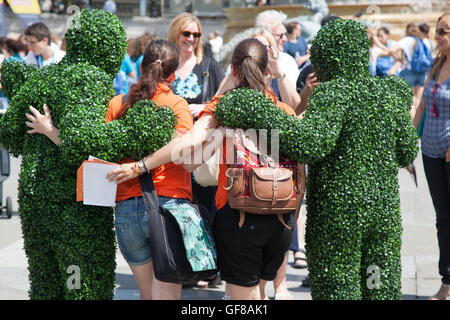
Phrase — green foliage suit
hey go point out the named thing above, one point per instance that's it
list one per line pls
(356, 134)
(61, 236)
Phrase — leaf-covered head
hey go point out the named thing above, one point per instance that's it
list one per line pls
(340, 48)
(97, 37)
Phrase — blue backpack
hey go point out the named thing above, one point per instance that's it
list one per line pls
(422, 59)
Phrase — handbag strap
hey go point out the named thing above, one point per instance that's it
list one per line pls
(149, 193)
(124, 98)
(205, 77)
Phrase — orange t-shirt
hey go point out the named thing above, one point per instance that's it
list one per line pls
(170, 180)
(210, 108)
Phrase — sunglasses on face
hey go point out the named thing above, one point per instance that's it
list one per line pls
(442, 31)
(187, 34)
(280, 36)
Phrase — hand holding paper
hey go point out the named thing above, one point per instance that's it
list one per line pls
(93, 188)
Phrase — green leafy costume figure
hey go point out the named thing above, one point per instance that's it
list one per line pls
(71, 247)
(355, 135)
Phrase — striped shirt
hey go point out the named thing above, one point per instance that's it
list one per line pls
(436, 129)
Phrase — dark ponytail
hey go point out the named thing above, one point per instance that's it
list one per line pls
(160, 60)
(250, 60)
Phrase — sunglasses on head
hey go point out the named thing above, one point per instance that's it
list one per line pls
(187, 34)
(442, 31)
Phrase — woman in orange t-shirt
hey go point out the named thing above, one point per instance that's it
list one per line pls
(255, 251)
(172, 182)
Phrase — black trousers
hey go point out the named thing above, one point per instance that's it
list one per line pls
(437, 172)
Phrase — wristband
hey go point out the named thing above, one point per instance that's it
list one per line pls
(136, 168)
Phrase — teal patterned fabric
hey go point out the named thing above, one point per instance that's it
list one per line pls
(188, 88)
(197, 237)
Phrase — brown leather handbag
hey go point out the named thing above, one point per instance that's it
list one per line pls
(264, 187)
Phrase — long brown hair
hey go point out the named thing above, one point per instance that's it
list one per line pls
(440, 57)
(250, 60)
(160, 60)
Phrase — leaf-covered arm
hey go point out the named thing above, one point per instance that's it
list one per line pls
(12, 129)
(304, 141)
(143, 130)
(401, 99)
(316, 135)
(14, 73)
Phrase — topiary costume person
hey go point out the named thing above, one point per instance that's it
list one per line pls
(61, 236)
(355, 135)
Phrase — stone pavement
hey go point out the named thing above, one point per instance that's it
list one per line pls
(420, 277)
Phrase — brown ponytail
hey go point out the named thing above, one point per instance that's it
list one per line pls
(250, 60)
(160, 60)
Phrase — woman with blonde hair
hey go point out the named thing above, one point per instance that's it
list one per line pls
(197, 79)
(435, 145)
(186, 33)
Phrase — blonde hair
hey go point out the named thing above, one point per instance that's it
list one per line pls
(441, 58)
(263, 32)
(176, 27)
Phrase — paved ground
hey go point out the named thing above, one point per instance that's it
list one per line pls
(419, 251)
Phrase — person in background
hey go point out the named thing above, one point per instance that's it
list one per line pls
(282, 83)
(12, 49)
(63, 44)
(435, 145)
(110, 6)
(307, 69)
(404, 51)
(377, 50)
(55, 40)
(425, 29)
(216, 42)
(2, 56)
(185, 31)
(385, 60)
(23, 40)
(126, 73)
(296, 46)
(287, 90)
(142, 43)
(42, 53)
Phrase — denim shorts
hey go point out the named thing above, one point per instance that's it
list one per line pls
(132, 231)
(414, 78)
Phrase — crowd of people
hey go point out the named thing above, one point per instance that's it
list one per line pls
(181, 72)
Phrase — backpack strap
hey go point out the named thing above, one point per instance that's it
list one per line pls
(205, 76)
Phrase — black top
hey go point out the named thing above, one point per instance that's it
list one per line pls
(301, 80)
